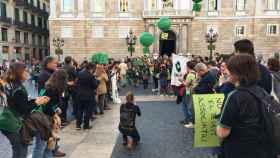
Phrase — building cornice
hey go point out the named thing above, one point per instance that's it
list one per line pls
(95, 19)
(236, 17)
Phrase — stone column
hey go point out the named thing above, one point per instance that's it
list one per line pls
(180, 38)
(52, 9)
(80, 8)
(189, 37)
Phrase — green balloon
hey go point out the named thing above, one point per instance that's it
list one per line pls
(164, 24)
(146, 39)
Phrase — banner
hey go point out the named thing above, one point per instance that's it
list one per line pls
(179, 69)
(206, 108)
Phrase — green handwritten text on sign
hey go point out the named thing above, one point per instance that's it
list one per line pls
(207, 107)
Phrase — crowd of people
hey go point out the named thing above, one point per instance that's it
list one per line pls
(90, 87)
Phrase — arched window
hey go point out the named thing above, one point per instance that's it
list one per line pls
(123, 6)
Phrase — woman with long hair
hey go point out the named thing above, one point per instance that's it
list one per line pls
(54, 89)
(102, 77)
(19, 107)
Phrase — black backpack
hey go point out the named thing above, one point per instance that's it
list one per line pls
(127, 117)
(270, 111)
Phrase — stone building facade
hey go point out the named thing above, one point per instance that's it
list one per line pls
(24, 32)
(89, 26)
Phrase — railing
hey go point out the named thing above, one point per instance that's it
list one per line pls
(166, 12)
(34, 9)
(5, 19)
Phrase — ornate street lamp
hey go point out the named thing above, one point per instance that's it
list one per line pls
(211, 38)
(58, 43)
(131, 42)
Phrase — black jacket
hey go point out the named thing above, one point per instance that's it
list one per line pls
(266, 79)
(17, 98)
(72, 74)
(54, 103)
(43, 78)
(86, 85)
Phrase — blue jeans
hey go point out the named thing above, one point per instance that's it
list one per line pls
(186, 100)
(40, 149)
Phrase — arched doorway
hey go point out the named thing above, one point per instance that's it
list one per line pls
(167, 43)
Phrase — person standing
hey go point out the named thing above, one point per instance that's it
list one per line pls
(186, 98)
(241, 124)
(123, 70)
(245, 46)
(54, 89)
(207, 80)
(49, 67)
(274, 67)
(86, 91)
(70, 90)
(102, 77)
(19, 107)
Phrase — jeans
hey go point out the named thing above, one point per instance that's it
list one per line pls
(186, 101)
(19, 150)
(40, 149)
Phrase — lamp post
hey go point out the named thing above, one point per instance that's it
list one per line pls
(155, 56)
(131, 41)
(211, 38)
(58, 43)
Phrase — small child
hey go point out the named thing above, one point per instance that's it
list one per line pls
(127, 126)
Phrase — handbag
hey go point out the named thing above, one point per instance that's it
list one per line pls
(10, 121)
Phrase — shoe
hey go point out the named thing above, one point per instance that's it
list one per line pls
(78, 128)
(92, 118)
(59, 154)
(190, 125)
(65, 123)
(87, 127)
(107, 108)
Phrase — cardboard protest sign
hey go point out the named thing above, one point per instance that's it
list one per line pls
(179, 69)
(207, 107)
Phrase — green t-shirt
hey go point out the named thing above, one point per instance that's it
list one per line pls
(190, 79)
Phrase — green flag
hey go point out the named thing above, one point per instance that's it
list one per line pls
(207, 107)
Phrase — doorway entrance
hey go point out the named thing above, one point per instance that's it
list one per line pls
(167, 43)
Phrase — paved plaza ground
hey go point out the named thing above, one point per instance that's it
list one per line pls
(162, 136)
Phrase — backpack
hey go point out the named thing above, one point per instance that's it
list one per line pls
(127, 117)
(10, 120)
(270, 111)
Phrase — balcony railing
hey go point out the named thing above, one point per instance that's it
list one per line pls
(31, 7)
(5, 20)
(167, 12)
